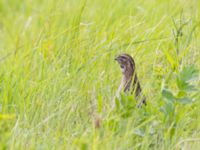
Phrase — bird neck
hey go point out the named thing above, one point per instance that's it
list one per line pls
(125, 84)
(126, 81)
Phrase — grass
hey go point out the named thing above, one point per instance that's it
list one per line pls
(58, 76)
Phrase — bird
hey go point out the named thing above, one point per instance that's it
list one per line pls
(129, 81)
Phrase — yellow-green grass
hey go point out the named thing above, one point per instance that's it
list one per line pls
(58, 76)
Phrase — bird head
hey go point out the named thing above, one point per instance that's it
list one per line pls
(126, 63)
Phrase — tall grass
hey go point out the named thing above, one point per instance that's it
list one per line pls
(58, 76)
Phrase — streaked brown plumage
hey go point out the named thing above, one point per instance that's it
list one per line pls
(129, 82)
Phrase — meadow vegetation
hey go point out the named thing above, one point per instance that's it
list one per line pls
(58, 76)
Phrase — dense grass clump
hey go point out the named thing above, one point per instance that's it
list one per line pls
(58, 76)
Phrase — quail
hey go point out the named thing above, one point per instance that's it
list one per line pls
(129, 81)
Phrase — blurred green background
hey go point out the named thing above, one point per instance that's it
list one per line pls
(58, 76)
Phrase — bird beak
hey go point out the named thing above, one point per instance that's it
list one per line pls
(117, 58)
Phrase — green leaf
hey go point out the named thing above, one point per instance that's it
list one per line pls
(184, 100)
(188, 73)
(170, 59)
(126, 114)
(170, 108)
(185, 86)
(168, 95)
(181, 93)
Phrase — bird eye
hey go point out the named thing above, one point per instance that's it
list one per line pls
(122, 66)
